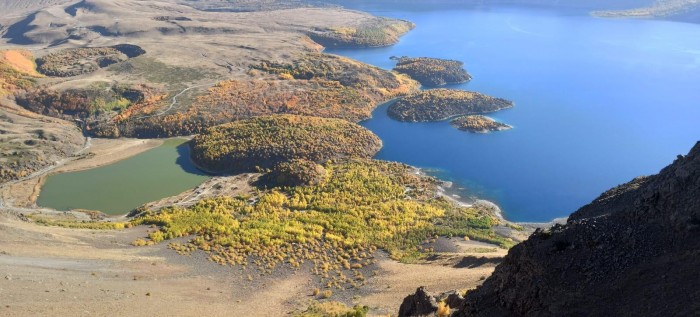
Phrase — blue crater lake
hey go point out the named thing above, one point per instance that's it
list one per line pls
(597, 103)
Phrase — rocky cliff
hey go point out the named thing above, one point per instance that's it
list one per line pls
(634, 251)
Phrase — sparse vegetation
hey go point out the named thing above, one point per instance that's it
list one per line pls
(155, 71)
(265, 142)
(442, 104)
(75, 224)
(433, 72)
(333, 309)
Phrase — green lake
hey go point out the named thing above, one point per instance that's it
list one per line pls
(120, 187)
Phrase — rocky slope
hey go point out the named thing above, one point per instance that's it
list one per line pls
(634, 251)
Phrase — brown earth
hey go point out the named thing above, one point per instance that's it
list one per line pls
(53, 271)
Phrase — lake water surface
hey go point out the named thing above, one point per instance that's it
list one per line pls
(120, 187)
(597, 103)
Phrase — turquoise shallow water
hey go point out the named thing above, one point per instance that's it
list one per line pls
(120, 187)
(597, 103)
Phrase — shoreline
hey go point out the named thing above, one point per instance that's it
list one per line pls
(107, 152)
(443, 187)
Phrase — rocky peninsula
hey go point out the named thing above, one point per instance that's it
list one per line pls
(478, 124)
(442, 104)
(432, 72)
(372, 33)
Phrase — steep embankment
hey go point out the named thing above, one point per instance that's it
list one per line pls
(634, 251)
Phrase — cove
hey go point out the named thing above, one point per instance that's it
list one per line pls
(597, 103)
(120, 187)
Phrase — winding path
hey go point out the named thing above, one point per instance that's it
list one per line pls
(174, 101)
(7, 206)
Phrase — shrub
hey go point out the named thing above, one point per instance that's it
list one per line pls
(443, 310)
(362, 206)
(267, 141)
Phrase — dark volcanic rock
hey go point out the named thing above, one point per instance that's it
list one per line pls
(634, 251)
(423, 304)
(418, 304)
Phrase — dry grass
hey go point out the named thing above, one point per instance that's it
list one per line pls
(22, 61)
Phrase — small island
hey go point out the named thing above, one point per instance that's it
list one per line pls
(478, 124)
(442, 104)
(432, 72)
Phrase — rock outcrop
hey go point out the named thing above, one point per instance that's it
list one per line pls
(634, 251)
(423, 304)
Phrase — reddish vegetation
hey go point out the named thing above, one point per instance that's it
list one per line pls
(317, 85)
(17, 71)
(20, 60)
(150, 103)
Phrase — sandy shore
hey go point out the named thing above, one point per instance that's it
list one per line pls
(109, 151)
